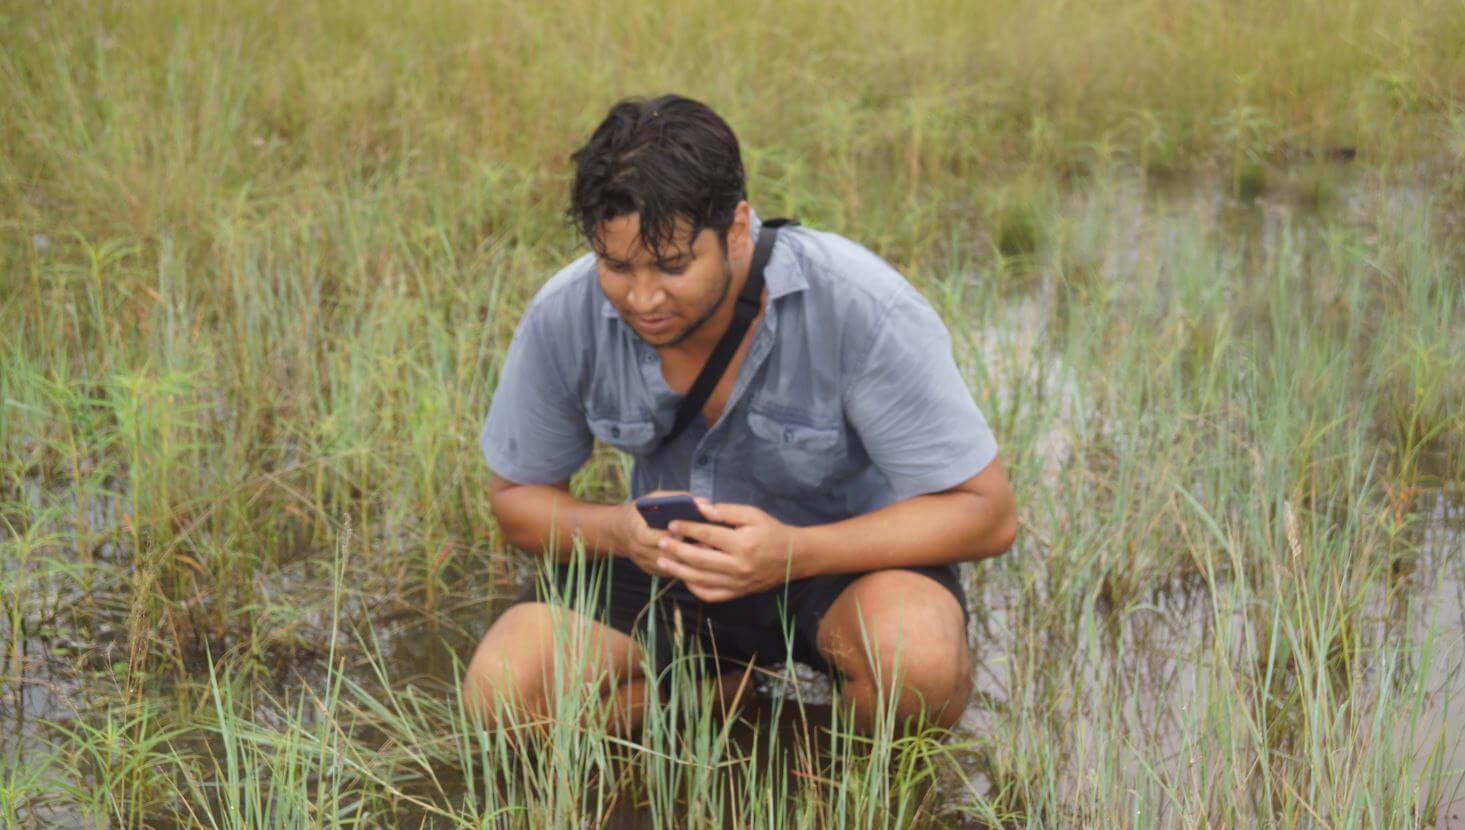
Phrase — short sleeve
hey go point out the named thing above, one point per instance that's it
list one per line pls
(912, 409)
(535, 432)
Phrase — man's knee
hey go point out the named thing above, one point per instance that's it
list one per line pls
(515, 673)
(908, 641)
(505, 680)
(929, 674)
(934, 679)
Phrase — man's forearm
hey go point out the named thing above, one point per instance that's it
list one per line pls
(933, 529)
(539, 517)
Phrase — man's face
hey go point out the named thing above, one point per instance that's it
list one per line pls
(663, 302)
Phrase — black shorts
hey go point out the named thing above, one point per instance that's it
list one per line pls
(746, 630)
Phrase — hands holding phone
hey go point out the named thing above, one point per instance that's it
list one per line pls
(732, 551)
(637, 540)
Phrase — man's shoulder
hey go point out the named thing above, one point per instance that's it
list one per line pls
(571, 291)
(847, 279)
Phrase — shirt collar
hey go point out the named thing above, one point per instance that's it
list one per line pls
(782, 275)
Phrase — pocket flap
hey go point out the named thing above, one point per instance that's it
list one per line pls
(619, 433)
(782, 431)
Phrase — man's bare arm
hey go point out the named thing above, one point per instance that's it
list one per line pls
(975, 519)
(530, 515)
(533, 515)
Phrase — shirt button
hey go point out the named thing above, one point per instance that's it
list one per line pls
(702, 460)
(649, 357)
(788, 435)
(615, 432)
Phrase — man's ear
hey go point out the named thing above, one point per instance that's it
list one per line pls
(739, 239)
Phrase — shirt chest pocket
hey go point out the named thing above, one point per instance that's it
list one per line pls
(631, 435)
(789, 457)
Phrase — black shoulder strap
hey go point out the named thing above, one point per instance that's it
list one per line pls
(743, 314)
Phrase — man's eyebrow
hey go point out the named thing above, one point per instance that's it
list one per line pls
(678, 257)
(679, 253)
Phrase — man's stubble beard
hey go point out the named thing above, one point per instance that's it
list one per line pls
(707, 315)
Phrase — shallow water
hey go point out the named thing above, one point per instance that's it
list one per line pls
(1152, 652)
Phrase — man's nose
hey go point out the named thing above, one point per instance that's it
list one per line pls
(645, 294)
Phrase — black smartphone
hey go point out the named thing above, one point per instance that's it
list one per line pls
(660, 511)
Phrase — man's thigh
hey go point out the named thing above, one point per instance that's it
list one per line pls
(909, 615)
(534, 650)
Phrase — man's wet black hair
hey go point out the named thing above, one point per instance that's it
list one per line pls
(665, 159)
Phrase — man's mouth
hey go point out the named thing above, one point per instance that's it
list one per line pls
(651, 324)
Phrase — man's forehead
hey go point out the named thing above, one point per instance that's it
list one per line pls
(620, 240)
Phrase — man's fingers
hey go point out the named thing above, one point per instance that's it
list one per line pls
(713, 594)
(696, 578)
(713, 536)
(703, 559)
(650, 537)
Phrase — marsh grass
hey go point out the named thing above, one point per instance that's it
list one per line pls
(259, 266)
(369, 749)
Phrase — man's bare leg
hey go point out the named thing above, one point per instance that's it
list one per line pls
(912, 613)
(514, 668)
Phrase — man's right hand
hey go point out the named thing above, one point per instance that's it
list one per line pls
(636, 540)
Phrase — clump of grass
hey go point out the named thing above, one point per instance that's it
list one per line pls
(1315, 185)
(1156, 153)
(352, 748)
(1019, 218)
(1242, 137)
(1016, 229)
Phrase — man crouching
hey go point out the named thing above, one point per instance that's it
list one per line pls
(840, 462)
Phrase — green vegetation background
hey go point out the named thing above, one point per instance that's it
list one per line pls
(259, 262)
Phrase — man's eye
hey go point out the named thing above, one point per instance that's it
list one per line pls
(673, 269)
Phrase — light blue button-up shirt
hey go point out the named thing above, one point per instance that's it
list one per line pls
(847, 400)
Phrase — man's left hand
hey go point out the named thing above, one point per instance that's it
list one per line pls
(722, 563)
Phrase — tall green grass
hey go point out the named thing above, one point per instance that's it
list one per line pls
(259, 265)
